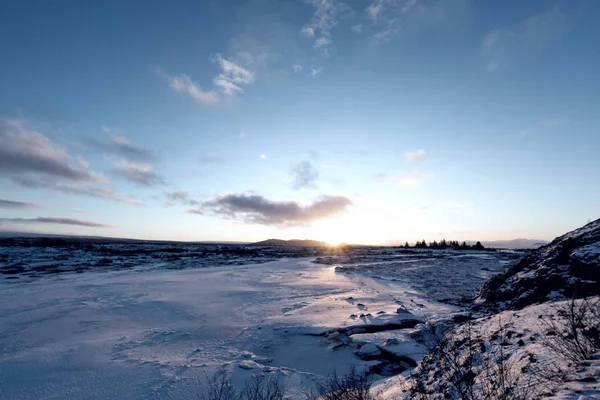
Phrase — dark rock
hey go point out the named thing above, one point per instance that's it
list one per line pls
(463, 317)
(588, 379)
(568, 267)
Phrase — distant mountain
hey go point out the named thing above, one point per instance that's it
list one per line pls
(72, 237)
(567, 267)
(514, 243)
(293, 242)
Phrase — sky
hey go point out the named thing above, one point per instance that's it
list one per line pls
(358, 121)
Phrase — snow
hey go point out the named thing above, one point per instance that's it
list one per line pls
(518, 338)
(368, 350)
(585, 385)
(153, 321)
(155, 332)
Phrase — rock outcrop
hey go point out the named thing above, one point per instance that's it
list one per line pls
(567, 267)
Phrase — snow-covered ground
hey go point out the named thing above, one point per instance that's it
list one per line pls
(156, 332)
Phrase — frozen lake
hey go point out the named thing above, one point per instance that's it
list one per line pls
(156, 333)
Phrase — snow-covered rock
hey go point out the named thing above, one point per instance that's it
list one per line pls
(369, 350)
(247, 364)
(509, 348)
(567, 267)
(333, 336)
(583, 385)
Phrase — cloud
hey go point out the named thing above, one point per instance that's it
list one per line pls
(142, 174)
(25, 152)
(226, 85)
(49, 220)
(31, 160)
(322, 42)
(178, 195)
(308, 31)
(297, 68)
(326, 16)
(77, 189)
(131, 162)
(211, 159)
(18, 205)
(314, 71)
(255, 209)
(380, 7)
(414, 156)
(391, 18)
(121, 146)
(184, 84)
(501, 47)
(195, 211)
(263, 156)
(232, 76)
(357, 28)
(304, 175)
(181, 197)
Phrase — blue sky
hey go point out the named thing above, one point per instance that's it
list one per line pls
(360, 121)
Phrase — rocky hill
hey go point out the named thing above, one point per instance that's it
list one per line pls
(567, 267)
(530, 338)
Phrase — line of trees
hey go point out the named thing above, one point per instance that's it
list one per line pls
(443, 244)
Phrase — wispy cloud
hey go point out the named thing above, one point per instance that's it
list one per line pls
(32, 160)
(195, 211)
(504, 46)
(232, 76)
(414, 156)
(391, 18)
(326, 16)
(25, 152)
(184, 84)
(18, 205)
(357, 28)
(181, 197)
(51, 220)
(227, 85)
(380, 7)
(105, 193)
(297, 68)
(119, 145)
(255, 209)
(139, 173)
(304, 175)
(314, 71)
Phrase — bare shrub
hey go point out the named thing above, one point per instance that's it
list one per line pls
(464, 366)
(573, 329)
(263, 388)
(219, 387)
(352, 386)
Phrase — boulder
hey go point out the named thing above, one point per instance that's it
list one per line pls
(369, 350)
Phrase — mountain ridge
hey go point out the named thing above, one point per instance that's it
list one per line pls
(291, 242)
